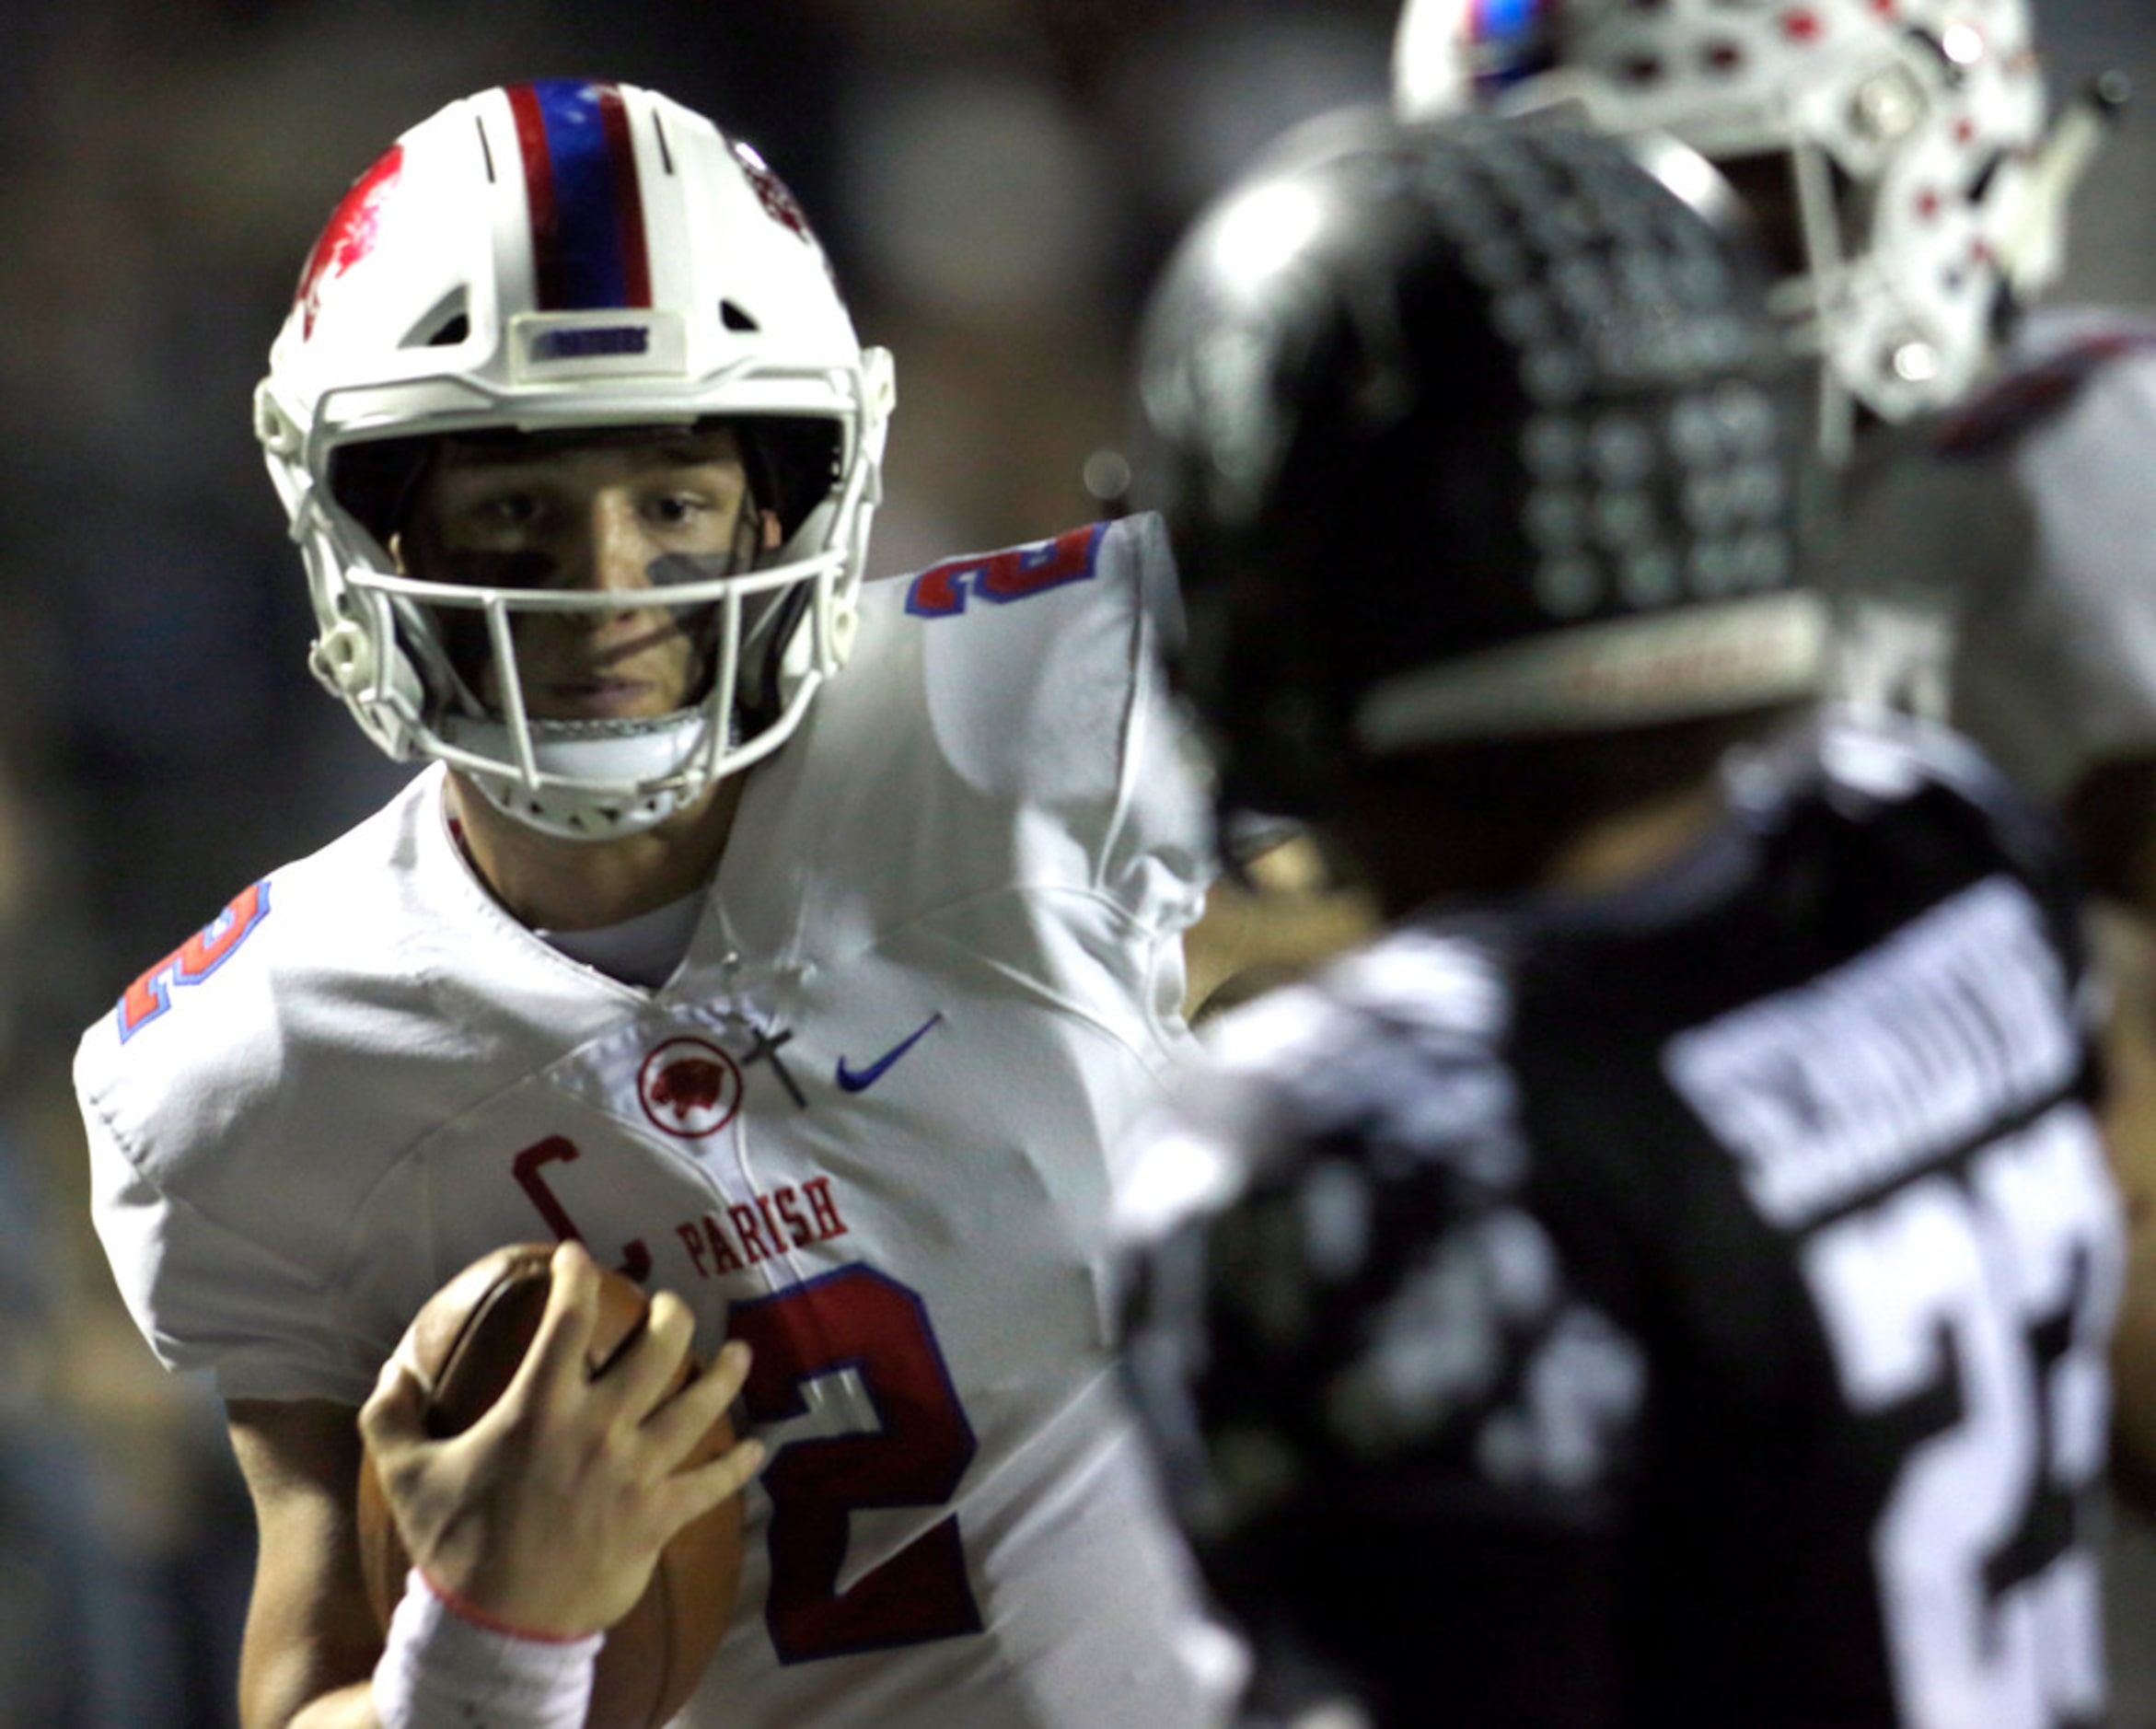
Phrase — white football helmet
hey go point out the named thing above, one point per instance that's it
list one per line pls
(1906, 138)
(539, 258)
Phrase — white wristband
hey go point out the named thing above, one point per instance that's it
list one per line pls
(441, 1669)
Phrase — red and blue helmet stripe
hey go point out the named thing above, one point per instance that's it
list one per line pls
(587, 232)
(1509, 39)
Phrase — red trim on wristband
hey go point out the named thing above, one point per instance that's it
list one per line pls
(464, 1609)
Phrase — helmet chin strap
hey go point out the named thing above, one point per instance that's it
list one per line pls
(664, 750)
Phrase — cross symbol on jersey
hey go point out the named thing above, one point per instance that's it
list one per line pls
(764, 1048)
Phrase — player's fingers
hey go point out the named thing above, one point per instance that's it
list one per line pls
(676, 1430)
(729, 1371)
(688, 1495)
(642, 1370)
(394, 1416)
(555, 1362)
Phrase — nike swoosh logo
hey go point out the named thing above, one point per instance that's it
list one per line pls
(854, 1080)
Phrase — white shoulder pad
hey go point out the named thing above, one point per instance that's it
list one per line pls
(214, 1095)
(1033, 659)
(2061, 672)
(1038, 674)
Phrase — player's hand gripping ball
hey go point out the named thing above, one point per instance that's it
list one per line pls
(465, 1345)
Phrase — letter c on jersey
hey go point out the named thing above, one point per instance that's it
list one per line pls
(559, 1149)
(194, 960)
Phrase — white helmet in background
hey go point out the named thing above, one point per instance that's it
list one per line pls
(542, 259)
(1905, 139)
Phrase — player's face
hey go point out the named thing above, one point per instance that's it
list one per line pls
(619, 514)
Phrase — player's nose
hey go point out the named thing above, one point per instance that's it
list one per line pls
(612, 555)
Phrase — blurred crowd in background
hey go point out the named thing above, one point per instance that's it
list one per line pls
(996, 180)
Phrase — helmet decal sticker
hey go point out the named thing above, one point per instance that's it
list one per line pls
(778, 203)
(587, 236)
(350, 235)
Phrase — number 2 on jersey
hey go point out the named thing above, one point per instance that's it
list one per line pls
(2003, 1288)
(861, 1319)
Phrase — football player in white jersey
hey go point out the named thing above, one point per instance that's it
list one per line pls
(1991, 558)
(810, 997)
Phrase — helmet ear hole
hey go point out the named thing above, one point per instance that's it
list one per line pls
(792, 465)
(737, 316)
(446, 323)
(375, 480)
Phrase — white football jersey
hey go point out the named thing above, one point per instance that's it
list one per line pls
(2056, 666)
(867, 1125)
(2010, 542)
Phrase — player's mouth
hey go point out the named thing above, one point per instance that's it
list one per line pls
(599, 696)
(634, 679)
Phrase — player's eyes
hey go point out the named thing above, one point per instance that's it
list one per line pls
(677, 510)
(505, 510)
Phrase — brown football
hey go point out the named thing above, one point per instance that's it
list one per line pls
(469, 1340)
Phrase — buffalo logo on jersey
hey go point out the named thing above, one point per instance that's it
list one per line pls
(689, 1087)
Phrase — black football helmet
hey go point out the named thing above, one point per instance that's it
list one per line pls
(1468, 431)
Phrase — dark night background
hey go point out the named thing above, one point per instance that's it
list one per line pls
(996, 180)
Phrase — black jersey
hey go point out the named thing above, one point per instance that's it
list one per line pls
(1684, 1307)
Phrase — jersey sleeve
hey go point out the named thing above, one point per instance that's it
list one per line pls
(1893, 773)
(1160, 814)
(1396, 1427)
(1041, 670)
(208, 1297)
(239, 1136)
(2059, 670)
(1155, 853)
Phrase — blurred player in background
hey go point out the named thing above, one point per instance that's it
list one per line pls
(1990, 563)
(812, 999)
(1904, 174)
(1666, 1278)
